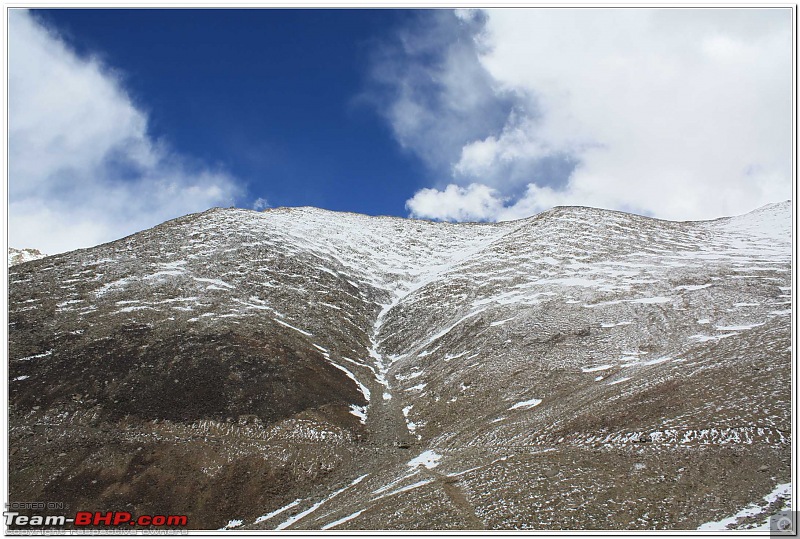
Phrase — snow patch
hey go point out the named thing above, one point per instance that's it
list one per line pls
(232, 524)
(706, 338)
(501, 322)
(753, 510)
(409, 376)
(291, 520)
(277, 512)
(306, 333)
(214, 282)
(692, 286)
(449, 329)
(657, 361)
(43, 354)
(429, 459)
(611, 325)
(448, 357)
(595, 369)
(738, 328)
(360, 412)
(412, 427)
(651, 300)
(526, 404)
(361, 387)
(342, 520)
(407, 488)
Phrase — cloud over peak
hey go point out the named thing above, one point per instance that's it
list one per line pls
(475, 202)
(676, 113)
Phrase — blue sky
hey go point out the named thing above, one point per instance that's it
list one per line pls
(122, 119)
(273, 96)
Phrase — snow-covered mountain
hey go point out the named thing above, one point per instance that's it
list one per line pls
(18, 256)
(305, 369)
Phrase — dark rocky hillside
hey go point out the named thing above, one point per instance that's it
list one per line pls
(304, 369)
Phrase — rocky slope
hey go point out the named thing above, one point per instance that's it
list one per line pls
(304, 369)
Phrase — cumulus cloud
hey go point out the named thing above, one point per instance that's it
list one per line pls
(82, 168)
(675, 113)
(475, 202)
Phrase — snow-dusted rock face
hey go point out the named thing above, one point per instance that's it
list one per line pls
(18, 256)
(577, 369)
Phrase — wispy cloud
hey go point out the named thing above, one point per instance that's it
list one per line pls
(677, 113)
(430, 86)
(261, 204)
(82, 167)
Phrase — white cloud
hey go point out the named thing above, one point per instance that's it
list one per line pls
(82, 167)
(429, 85)
(677, 113)
(472, 203)
(261, 204)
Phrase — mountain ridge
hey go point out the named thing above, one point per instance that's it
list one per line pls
(327, 350)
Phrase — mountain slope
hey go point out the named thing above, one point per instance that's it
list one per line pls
(578, 369)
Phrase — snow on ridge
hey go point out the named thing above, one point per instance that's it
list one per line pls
(353, 239)
(771, 222)
(20, 256)
(402, 256)
(361, 387)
